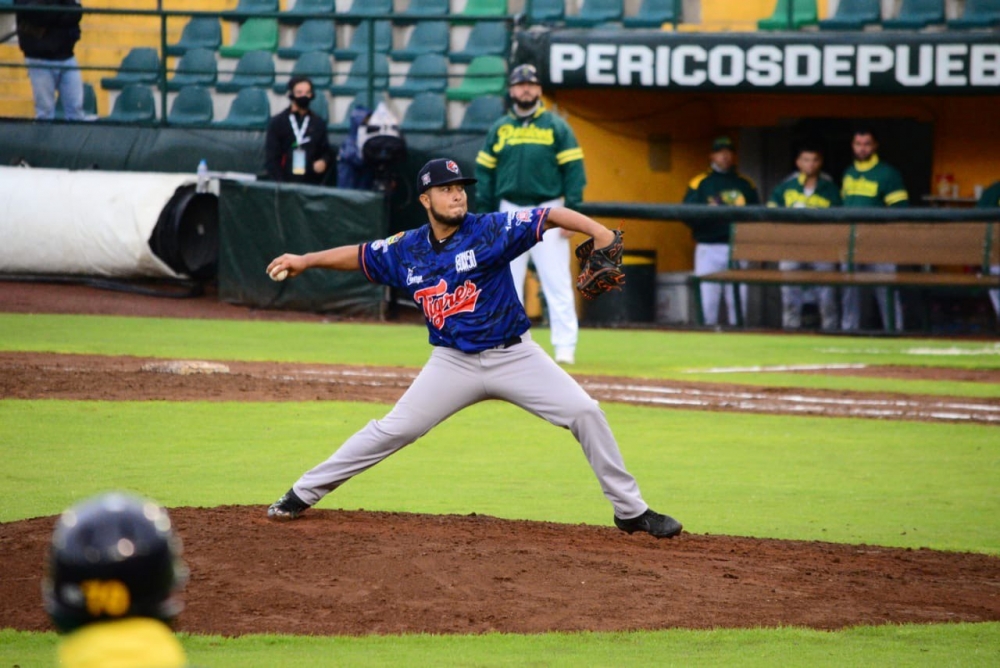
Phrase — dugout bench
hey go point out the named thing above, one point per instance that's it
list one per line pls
(927, 255)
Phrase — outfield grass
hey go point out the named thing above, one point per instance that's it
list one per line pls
(903, 484)
(639, 353)
(965, 645)
(845, 480)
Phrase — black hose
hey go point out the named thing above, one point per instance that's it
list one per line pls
(171, 288)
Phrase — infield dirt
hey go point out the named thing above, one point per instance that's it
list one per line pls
(358, 572)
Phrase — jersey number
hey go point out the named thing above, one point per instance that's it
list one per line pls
(106, 597)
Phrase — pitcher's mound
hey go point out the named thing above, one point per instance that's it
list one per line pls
(356, 572)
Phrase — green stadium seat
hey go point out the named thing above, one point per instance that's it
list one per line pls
(254, 70)
(316, 65)
(362, 7)
(424, 9)
(135, 104)
(478, 8)
(917, 14)
(482, 113)
(854, 15)
(250, 110)
(321, 105)
(427, 37)
(294, 16)
(547, 11)
(359, 41)
(978, 14)
(253, 7)
(201, 32)
(197, 67)
(192, 106)
(486, 75)
(312, 35)
(255, 35)
(804, 13)
(426, 113)
(89, 102)
(141, 65)
(654, 13)
(427, 74)
(595, 12)
(487, 38)
(357, 77)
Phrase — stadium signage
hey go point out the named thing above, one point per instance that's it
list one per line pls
(815, 62)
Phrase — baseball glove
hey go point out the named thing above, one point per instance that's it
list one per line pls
(601, 268)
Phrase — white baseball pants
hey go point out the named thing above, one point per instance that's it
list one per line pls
(551, 258)
(791, 297)
(710, 258)
(850, 297)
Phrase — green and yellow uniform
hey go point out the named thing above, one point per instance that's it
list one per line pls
(990, 198)
(529, 160)
(129, 643)
(873, 183)
(723, 189)
(791, 194)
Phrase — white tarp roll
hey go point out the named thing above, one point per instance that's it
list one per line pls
(94, 223)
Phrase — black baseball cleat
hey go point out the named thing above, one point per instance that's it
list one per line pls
(651, 522)
(288, 507)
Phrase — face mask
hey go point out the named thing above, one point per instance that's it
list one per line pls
(302, 102)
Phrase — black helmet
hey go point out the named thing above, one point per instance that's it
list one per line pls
(113, 556)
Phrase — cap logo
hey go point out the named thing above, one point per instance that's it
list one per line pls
(425, 178)
(452, 167)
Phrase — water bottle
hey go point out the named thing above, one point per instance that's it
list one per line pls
(202, 186)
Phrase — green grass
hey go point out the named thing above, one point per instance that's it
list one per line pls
(846, 480)
(883, 482)
(898, 646)
(640, 353)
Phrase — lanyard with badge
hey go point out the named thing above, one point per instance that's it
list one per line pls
(299, 153)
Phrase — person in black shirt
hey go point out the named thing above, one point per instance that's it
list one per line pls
(297, 149)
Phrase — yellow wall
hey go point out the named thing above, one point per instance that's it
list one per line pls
(613, 128)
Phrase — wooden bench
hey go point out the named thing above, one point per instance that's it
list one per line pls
(938, 249)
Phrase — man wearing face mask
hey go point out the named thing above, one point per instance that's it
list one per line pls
(297, 149)
(531, 159)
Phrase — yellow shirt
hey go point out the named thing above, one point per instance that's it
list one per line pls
(134, 642)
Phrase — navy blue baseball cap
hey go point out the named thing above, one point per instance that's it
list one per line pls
(441, 172)
(524, 74)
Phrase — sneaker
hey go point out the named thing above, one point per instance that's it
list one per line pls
(288, 507)
(565, 356)
(652, 522)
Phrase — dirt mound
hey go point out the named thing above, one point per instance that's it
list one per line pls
(357, 572)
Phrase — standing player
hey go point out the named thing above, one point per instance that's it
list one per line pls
(869, 182)
(990, 199)
(807, 188)
(456, 270)
(532, 159)
(720, 185)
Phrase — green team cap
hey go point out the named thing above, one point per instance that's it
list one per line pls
(721, 143)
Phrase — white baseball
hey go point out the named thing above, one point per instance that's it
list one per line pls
(279, 275)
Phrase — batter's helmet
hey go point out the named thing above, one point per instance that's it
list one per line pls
(113, 556)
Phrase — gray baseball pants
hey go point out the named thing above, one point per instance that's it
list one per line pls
(451, 380)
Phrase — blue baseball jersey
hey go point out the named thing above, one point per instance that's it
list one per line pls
(464, 288)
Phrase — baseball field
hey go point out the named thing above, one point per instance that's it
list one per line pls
(839, 494)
